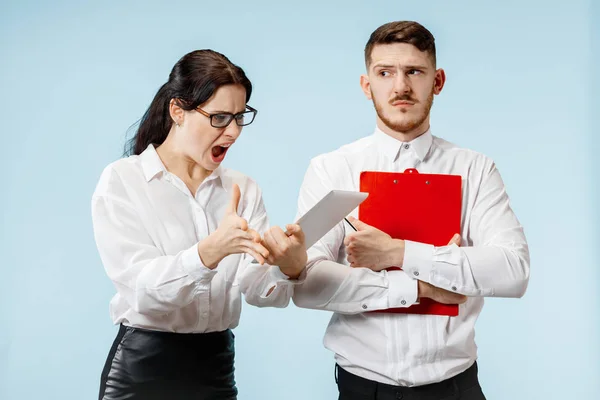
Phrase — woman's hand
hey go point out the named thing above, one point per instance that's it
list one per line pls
(233, 236)
(287, 251)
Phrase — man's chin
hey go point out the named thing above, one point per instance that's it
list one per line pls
(402, 120)
(401, 125)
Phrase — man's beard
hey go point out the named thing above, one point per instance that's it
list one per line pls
(404, 126)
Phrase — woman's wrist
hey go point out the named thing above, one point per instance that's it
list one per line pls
(209, 253)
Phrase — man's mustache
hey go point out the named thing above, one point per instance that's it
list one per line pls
(403, 98)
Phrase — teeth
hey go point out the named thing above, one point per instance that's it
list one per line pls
(226, 145)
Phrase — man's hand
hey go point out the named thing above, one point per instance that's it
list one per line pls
(440, 295)
(371, 248)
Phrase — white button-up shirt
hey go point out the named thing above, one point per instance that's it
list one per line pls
(147, 226)
(493, 260)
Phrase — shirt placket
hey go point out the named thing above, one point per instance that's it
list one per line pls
(199, 204)
(201, 225)
(401, 328)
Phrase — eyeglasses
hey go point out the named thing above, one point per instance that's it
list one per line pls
(223, 119)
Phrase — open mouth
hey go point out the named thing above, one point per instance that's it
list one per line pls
(218, 152)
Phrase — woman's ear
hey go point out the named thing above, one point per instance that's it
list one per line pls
(176, 112)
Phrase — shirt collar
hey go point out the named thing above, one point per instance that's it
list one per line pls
(391, 146)
(152, 165)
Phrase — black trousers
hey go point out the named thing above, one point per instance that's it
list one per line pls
(152, 365)
(464, 386)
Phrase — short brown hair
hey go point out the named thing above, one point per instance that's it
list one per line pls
(401, 32)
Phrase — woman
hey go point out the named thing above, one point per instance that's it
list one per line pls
(179, 236)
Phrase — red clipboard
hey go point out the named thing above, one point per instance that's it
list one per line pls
(423, 208)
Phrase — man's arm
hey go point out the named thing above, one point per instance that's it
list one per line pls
(329, 285)
(497, 265)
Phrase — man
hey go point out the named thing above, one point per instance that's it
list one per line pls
(387, 355)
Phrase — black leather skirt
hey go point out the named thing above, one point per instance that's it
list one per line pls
(149, 365)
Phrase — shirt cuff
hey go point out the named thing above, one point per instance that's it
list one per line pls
(418, 260)
(193, 266)
(278, 278)
(402, 289)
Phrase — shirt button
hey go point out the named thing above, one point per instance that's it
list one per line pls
(364, 306)
(407, 146)
(416, 273)
(403, 302)
(454, 288)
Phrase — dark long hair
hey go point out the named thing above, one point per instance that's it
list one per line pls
(192, 81)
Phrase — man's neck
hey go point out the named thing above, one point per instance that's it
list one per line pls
(407, 136)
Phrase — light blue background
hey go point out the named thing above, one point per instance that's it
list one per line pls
(74, 77)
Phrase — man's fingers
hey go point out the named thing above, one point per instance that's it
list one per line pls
(456, 239)
(358, 224)
(446, 297)
(455, 298)
(346, 241)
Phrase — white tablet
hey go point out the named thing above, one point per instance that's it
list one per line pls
(328, 212)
